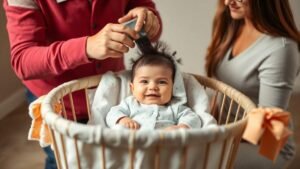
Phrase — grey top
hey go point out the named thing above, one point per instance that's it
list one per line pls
(265, 72)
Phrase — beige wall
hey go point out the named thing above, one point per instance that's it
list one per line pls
(10, 86)
(187, 28)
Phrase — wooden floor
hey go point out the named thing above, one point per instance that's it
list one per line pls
(18, 153)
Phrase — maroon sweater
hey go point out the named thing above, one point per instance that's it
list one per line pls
(48, 40)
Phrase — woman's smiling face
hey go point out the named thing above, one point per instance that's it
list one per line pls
(238, 8)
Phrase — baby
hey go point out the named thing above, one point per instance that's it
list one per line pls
(151, 104)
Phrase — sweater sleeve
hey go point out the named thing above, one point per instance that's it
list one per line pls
(32, 56)
(277, 75)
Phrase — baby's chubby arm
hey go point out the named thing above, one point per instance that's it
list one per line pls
(187, 118)
(116, 113)
(129, 123)
(120, 115)
(174, 127)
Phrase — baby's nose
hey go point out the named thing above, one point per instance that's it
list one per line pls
(153, 86)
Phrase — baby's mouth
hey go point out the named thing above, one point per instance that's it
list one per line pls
(152, 95)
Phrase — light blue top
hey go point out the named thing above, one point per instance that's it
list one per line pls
(153, 116)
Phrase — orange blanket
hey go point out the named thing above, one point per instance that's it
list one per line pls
(269, 128)
(39, 130)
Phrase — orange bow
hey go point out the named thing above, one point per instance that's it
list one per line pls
(269, 125)
(39, 130)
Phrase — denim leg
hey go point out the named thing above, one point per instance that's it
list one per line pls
(29, 96)
(50, 162)
(50, 159)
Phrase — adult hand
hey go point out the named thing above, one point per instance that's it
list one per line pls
(129, 123)
(146, 18)
(112, 41)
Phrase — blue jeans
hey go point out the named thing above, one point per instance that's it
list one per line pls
(50, 162)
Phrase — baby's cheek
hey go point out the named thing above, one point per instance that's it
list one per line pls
(169, 96)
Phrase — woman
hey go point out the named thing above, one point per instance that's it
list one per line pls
(255, 48)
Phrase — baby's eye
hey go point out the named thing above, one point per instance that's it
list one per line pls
(162, 82)
(144, 81)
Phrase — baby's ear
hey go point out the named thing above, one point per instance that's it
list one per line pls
(131, 87)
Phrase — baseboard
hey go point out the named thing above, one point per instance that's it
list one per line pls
(297, 89)
(12, 102)
(297, 84)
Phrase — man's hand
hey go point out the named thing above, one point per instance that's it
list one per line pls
(112, 41)
(146, 18)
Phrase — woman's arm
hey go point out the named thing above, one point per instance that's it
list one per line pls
(277, 75)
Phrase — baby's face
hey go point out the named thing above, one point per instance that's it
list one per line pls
(152, 85)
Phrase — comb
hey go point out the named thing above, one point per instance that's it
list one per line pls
(143, 43)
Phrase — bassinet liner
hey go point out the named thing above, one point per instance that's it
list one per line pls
(92, 146)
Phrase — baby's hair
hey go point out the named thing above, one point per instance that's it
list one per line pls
(160, 55)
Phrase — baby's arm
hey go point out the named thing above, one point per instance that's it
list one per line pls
(174, 127)
(129, 123)
(186, 118)
(116, 113)
(120, 114)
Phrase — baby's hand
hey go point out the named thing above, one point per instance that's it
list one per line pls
(129, 123)
(174, 127)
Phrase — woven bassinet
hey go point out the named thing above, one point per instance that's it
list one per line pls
(92, 146)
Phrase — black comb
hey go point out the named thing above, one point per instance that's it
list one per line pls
(143, 43)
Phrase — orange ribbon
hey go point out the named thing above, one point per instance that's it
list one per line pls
(39, 130)
(269, 126)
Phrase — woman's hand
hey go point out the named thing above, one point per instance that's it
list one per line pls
(129, 123)
(112, 41)
(146, 18)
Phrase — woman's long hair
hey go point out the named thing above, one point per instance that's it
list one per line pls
(272, 17)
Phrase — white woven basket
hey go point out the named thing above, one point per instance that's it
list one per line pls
(92, 146)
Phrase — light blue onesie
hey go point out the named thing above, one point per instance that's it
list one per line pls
(153, 116)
